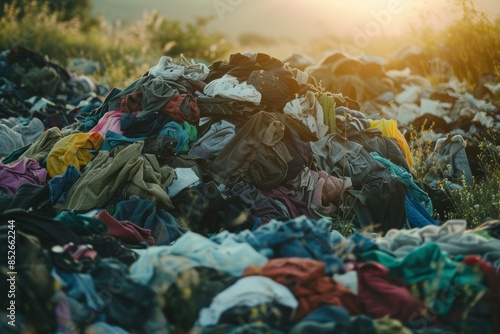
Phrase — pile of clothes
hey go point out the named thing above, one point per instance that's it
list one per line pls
(37, 93)
(203, 198)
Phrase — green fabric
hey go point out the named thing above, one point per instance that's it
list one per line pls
(81, 225)
(41, 147)
(433, 276)
(192, 133)
(327, 102)
(123, 168)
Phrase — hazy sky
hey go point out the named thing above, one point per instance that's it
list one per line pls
(297, 21)
(276, 17)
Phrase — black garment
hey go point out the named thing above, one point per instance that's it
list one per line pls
(109, 247)
(206, 211)
(276, 93)
(41, 225)
(221, 107)
(430, 121)
(375, 141)
(181, 308)
(151, 125)
(261, 207)
(241, 66)
(381, 205)
(261, 151)
(27, 196)
(34, 286)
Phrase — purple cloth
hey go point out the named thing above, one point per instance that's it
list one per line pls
(26, 170)
(63, 314)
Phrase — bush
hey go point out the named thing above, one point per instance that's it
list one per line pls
(480, 201)
(471, 44)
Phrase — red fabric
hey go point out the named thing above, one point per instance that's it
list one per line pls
(127, 232)
(305, 279)
(182, 107)
(492, 278)
(381, 295)
(131, 102)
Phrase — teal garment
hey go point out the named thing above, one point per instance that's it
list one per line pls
(81, 225)
(434, 277)
(404, 176)
(15, 155)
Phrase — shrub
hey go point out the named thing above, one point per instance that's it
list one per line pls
(471, 44)
(480, 201)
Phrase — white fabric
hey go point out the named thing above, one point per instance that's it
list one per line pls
(309, 111)
(452, 237)
(184, 178)
(170, 71)
(229, 87)
(250, 291)
(349, 280)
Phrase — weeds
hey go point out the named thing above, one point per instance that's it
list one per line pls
(125, 51)
(480, 201)
(421, 148)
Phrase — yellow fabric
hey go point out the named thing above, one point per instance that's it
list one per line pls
(389, 128)
(72, 150)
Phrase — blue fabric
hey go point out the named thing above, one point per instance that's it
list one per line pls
(328, 313)
(144, 213)
(62, 183)
(175, 130)
(81, 288)
(415, 212)
(353, 248)
(334, 319)
(164, 262)
(114, 139)
(300, 237)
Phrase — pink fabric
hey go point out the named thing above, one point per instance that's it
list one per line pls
(80, 252)
(327, 190)
(127, 232)
(109, 121)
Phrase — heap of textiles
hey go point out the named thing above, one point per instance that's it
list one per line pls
(202, 198)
